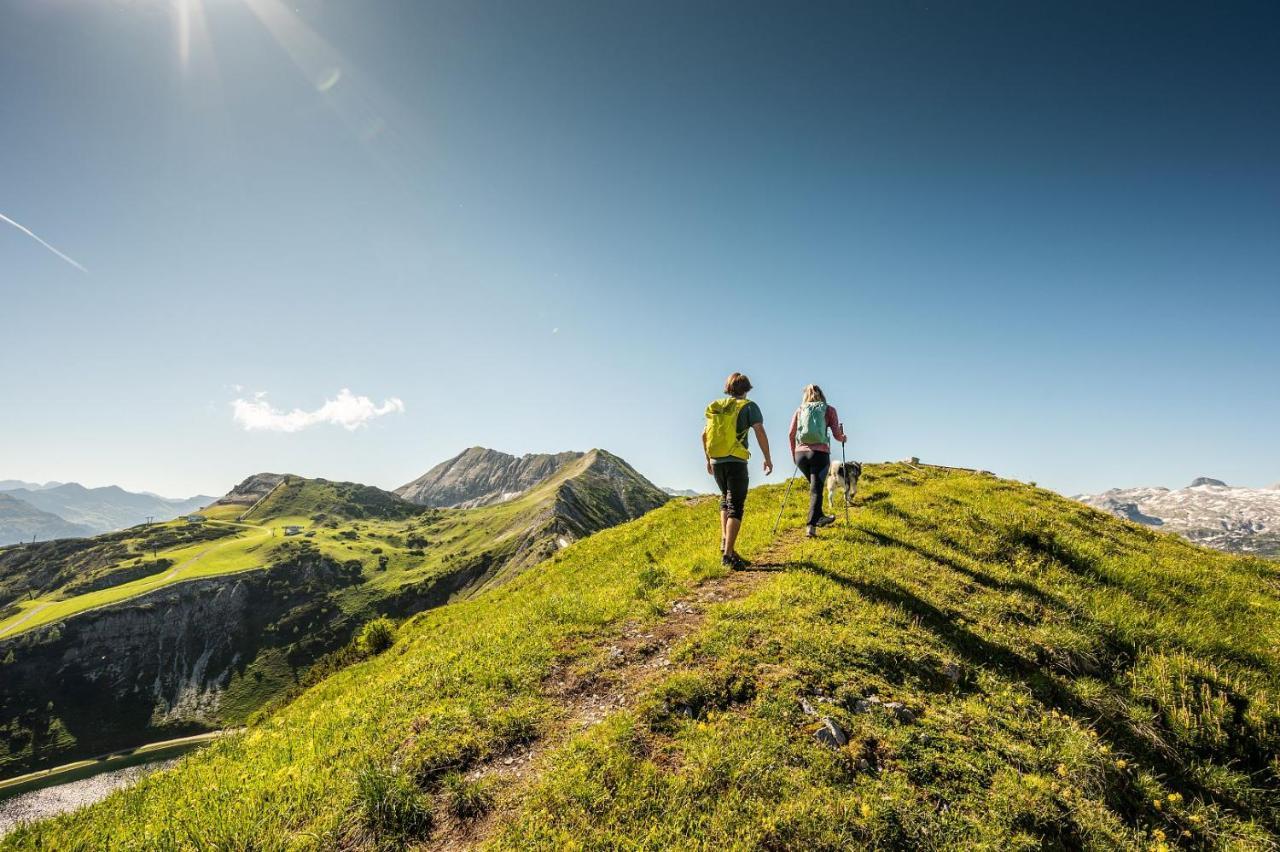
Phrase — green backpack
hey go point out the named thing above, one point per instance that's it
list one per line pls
(723, 437)
(811, 423)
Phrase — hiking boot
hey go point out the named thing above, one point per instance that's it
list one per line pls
(826, 521)
(735, 561)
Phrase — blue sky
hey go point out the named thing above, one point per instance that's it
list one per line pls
(1036, 238)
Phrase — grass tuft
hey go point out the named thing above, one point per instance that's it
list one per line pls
(391, 810)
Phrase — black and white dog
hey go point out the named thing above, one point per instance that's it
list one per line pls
(843, 476)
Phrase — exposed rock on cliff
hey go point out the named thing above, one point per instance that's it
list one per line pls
(479, 476)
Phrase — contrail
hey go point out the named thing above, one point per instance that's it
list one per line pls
(32, 235)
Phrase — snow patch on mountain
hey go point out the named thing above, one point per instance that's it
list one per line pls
(1208, 512)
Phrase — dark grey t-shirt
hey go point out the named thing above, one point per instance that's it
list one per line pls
(749, 416)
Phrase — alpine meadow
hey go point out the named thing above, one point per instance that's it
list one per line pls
(973, 663)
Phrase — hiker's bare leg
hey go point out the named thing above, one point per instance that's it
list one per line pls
(731, 535)
(724, 530)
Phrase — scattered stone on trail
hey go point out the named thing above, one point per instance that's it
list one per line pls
(807, 708)
(953, 673)
(900, 712)
(831, 734)
(896, 709)
(615, 653)
(864, 765)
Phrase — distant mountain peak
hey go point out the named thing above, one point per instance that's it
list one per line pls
(479, 476)
(680, 492)
(1205, 480)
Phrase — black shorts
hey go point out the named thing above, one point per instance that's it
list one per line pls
(732, 479)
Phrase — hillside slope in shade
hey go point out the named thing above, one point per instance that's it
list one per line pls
(994, 667)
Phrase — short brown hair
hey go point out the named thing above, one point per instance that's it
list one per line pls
(737, 384)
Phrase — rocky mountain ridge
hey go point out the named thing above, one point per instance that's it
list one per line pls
(480, 477)
(1208, 512)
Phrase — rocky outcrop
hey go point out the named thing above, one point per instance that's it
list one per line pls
(1208, 480)
(480, 477)
(251, 490)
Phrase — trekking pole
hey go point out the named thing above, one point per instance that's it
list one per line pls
(790, 481)
(845, 462)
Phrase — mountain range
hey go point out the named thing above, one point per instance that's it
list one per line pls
(59, 510)
(20, 521)
(1208, 512)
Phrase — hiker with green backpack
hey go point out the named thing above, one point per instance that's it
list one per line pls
(725, 445)
(811, 450)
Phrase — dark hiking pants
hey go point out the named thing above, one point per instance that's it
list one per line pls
(733, 481)
(814, 464)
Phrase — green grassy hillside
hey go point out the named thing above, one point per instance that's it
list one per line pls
(397, 544)
(1010, 669)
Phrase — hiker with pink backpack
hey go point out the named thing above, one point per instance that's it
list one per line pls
(811, 449)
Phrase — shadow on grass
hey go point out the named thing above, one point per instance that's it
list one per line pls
(980, 577)
(1049, 691)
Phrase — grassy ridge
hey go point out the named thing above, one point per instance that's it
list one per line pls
(1071, 680)
(188, 562)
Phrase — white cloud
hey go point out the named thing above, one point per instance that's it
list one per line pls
(346, 410)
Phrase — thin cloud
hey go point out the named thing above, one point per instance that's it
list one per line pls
(347, 410)
(24, 229)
